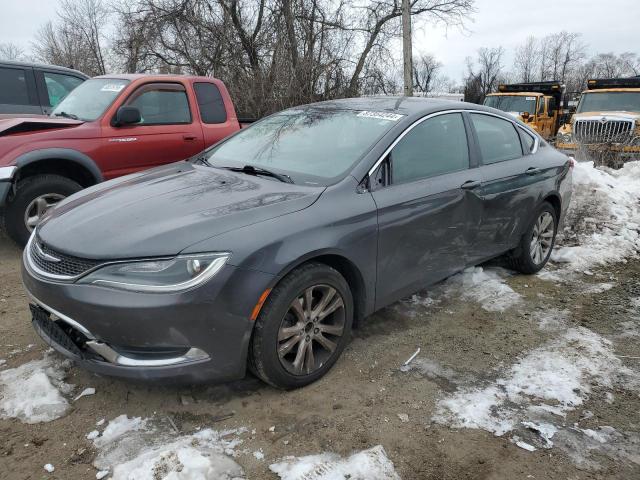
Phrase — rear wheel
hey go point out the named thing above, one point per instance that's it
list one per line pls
(537, 243)
(34, 196)
(302, 328)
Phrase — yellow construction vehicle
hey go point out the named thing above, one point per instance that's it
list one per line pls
(606, 125)
(538, 104)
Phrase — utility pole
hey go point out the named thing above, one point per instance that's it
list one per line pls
(406, 48)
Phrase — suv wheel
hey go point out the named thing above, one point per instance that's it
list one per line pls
(537, 243)
(302, 328)
(33, 197)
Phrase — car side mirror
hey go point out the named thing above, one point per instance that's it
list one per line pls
(127, 116)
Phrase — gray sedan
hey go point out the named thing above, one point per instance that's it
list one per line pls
(264, 251)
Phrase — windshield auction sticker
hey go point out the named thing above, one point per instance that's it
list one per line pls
(391, 117)
(112, 87)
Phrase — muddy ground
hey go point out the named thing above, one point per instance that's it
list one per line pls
(356, 405)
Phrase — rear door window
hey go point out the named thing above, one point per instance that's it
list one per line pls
(14, 86)
(210, 103)
(497, 138)
(436, 146)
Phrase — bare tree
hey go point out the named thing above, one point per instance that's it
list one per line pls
(77, 36)
(527, 60)
(485, 78)
(426, 71)
(274, 53)
(11, 51)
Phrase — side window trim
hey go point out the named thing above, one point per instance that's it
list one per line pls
(387, 151)
(145, 87)
(389, 158)
(473, 150)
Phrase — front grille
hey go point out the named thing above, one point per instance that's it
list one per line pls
(53, 331)
(53, 263)
(599, 131)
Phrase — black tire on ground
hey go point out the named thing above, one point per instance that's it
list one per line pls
(28, 190)
(520, 259)
(264, 359)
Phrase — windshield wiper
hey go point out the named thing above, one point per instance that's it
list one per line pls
(66, 115)
(251, 170)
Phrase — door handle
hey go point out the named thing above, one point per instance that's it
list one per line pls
(470, 184)
(189, 138)
(532, 171)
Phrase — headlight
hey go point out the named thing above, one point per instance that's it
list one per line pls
(161, 275)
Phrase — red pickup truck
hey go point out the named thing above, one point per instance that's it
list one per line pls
(108, 126)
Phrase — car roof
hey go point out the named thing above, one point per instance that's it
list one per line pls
(43, 66)
(409, 106)
(155, 76)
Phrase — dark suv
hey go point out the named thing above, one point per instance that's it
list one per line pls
(35, 89)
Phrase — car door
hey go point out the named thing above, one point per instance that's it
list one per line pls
(18, 92)
(427, 206)
(509, 175)
(53, 87)
(168, 130)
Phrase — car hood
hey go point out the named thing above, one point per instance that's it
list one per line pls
(163, 211)
(10, 124)
(611, 115)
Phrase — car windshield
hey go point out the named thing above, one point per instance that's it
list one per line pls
(512, 103)
(90, 99)
(609, 102)
(313, 146)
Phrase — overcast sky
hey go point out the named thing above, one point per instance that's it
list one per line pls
(606, 26)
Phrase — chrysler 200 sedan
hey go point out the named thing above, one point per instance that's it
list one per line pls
(266, 249)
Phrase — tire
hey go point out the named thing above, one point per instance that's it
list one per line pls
(522, 259)
(278, 312)
(49, 187)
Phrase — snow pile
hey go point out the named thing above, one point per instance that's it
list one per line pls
(548, 382)
(116, 429)
(603, 221)
(135, 448)
(33, 392)
(371, 464)
(484, 286)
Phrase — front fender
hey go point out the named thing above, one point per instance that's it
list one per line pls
(62, 154)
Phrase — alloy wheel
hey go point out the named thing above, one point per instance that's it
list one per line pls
(38, 207)
(542, 238)
(311, 329)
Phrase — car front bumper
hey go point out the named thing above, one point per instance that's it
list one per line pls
(201, 335)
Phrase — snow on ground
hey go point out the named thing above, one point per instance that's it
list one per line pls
(555, 378)
(371, 464)
(33, 392)
(484, 286)
(530, 401)
(116, 428)
(551, 319)
(603, 221)
(144, 449)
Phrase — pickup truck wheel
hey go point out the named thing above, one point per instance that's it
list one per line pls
(33, 197)
(302, 328)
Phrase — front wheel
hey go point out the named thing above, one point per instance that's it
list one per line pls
(302, 328)
(34, 196)
(537, 243)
